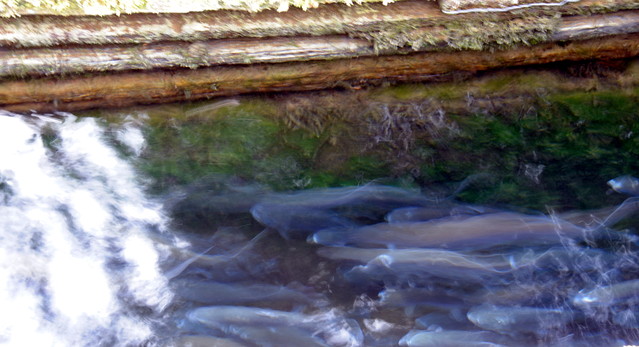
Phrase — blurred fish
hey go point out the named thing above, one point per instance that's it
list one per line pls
(371, 195)
(410, 298)
(294, 222)
(348, 205)
(439, 320)
(456, 233)
(215, 293)
(224, 317)
(608, 295)
(218, 261)
(334, 329)
(204, 341)
(513, 320)
(406, 265)
(625, 184)
(417, 214)
(277, 336)
(359, 255)
(451, 338)
(213, 200)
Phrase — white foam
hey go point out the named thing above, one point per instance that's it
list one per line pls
(68, 209)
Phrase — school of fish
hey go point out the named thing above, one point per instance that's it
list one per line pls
(376, 265)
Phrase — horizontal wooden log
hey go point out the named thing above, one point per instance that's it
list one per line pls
(65, 61)
(168, 86)
(48, 31)
(478, 6)
(573, 28)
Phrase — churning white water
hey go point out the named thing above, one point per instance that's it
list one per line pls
(75, 256)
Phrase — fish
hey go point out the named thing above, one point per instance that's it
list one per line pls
(359, 255)
(278, 336)
(235, 319)
(295, 222)
(362, 204)
(374, 195)
(178, 269)
(451, 338)
(224, 317)
(410, 298)
(417, 214)
(216, 293)
(626, 184)
(406, 265)
(213, 200)
(603, 296)
(439, 320)
(456, 233)
(204, 341)
(215, 260)
(299, 214)
(513, 320)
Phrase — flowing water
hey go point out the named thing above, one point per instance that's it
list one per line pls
(88, 257)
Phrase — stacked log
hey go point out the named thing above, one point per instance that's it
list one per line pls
(51, 63)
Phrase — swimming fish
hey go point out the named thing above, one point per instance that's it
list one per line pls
(451, 338)
(204, 341)
(625, 184)
(371, 195)
(214, 260)
(296, 215)
(416, 214)
(439, 320)
(216, 293)
(456, 233)
(607, 295)
(404, 265)
(236, 319)
(513, 320)
(223, 317)
(410, 298)
(277, 336)
(295, 222)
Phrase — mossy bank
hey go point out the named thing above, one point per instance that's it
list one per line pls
(537, 138)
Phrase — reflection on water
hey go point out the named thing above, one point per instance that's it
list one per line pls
(89, 259)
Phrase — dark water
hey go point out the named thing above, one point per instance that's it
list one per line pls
(244, 239)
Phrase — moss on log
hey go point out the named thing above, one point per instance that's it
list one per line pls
(167, 86)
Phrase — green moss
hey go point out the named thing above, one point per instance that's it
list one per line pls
(540, 146)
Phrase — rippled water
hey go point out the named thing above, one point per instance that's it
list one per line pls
(87, 258)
